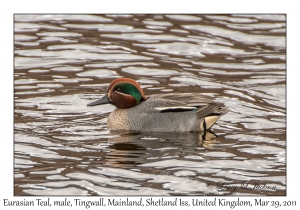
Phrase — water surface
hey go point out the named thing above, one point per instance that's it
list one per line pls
(63, 62)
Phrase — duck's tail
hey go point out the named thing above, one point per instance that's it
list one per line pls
(211, 113)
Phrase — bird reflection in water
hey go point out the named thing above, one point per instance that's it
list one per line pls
(128, 149)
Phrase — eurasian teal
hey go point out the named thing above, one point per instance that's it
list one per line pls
(173, 112)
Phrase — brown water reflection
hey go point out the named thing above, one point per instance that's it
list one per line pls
(62, 62)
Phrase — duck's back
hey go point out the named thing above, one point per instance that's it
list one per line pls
(169, 113)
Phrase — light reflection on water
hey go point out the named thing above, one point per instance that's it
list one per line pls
(62, 62)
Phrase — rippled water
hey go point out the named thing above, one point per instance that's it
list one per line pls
(63, 62)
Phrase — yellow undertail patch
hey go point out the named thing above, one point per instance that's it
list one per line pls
(210, 121)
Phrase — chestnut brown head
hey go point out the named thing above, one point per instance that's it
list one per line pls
(124, 93)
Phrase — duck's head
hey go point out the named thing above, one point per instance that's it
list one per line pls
(124, 93)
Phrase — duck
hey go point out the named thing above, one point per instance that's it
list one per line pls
(171, 112)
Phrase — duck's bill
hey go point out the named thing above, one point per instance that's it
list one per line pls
(103, 100)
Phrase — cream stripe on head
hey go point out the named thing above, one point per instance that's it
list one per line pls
(125, 80)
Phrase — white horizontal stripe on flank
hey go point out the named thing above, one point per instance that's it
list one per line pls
(175, 107)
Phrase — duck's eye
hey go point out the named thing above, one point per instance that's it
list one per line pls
(118, 89)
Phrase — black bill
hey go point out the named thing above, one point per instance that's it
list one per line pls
(103, 100)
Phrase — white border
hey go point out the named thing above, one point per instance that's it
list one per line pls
(153, 6)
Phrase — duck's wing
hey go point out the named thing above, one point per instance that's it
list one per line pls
(201, 104)
(184, 97)
(169, 102)
(207, 106)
